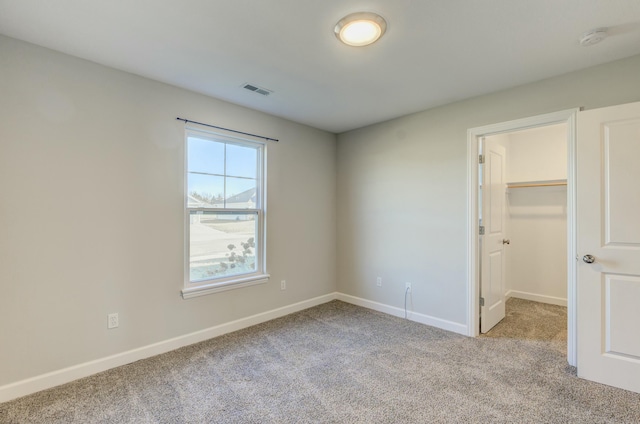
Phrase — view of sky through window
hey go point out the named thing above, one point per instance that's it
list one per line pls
(219, 170)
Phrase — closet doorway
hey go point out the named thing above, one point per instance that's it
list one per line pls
(528, 167)
(523, 253)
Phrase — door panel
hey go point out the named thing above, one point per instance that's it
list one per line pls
(496, 290)
(621, 152)
(608, 207)
(622, 315)
(493, 216)
(496, 174)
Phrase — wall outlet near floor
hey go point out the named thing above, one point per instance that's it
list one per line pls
(379, 281)
(283, 285)
(407, 286)
(113, 321)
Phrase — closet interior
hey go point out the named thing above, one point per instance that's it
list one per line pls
(535, 218)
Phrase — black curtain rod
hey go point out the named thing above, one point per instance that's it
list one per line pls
(227, 129)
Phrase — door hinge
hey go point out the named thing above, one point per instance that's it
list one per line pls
(481, 159)
(482, 301)
(482, 230)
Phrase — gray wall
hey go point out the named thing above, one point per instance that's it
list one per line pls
(91, 217)
(402, 188)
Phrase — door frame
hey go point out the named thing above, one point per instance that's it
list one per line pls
(567, 117)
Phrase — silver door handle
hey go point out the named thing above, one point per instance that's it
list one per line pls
(506, 241)
(589, 259)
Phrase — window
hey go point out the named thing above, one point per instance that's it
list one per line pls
(224, 213)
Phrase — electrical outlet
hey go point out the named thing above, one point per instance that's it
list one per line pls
(112, 320)
(379, 281)
(407, 286)
(283, 285)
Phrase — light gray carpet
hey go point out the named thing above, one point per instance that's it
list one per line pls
(529, 320)
(337, 363)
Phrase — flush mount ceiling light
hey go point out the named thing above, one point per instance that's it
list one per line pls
(360, 29)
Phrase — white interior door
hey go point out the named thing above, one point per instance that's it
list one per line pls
(608, 220)
(492, 309)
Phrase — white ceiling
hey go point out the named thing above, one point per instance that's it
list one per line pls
(434, 51)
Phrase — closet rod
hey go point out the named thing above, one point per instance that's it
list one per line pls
(516, 185)
(227, 129)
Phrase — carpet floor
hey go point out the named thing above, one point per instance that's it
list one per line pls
(339, 363)
(527, 320)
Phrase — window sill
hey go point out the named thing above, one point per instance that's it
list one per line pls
(237, 283)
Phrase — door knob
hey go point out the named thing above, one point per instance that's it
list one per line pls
(506, 241)
(589, 259)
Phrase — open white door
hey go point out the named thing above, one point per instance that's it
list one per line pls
(608, 220)
(492, 308)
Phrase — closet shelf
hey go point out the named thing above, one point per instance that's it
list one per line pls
(541, 183)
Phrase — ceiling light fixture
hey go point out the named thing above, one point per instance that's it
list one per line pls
(360, 29)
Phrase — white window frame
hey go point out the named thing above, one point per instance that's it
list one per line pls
(260, 276)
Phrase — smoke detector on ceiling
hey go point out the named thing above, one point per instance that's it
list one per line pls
(593, 36)
(256, 89)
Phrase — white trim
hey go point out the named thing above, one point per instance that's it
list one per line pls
(66, 375)
(552, 300)
(473, 228)
(399, 312)
(242, 281)
(55, 378)
(473, 290)
(572, 240)
(214, 285)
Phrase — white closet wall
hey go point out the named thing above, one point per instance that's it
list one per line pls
(537, 216)
(538, 154)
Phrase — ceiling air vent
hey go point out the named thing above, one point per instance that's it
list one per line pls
(256, 89)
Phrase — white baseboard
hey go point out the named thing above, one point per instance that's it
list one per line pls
(399, 312)
(66, 375)
(537, 297)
